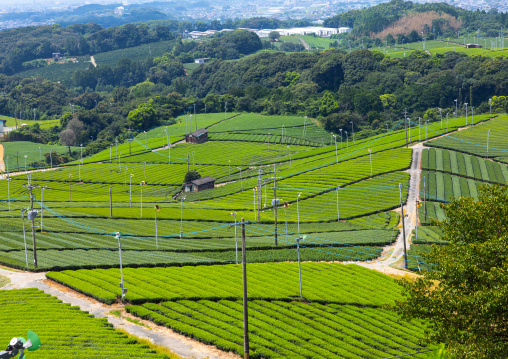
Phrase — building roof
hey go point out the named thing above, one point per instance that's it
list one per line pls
(203, 180)
(199, 132)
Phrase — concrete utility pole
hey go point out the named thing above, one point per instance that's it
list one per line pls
(195, 120)
(24, 235)
(403, 226)
(405, 126)
(110, 204)
(275, 201)
(424, 199)
(42, 204)
(124, 290)
(245, 302)
(31, 216)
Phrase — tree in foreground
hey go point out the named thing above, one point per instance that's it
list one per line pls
(464, 296)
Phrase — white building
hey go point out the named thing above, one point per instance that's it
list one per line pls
(319, 31)
(343, 30)
(202, 60)
(2, 125)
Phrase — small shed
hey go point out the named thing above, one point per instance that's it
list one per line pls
(57, 55)
(201, 60)
(473, 46)
(2, 125)
(198, 136)
(201, 184)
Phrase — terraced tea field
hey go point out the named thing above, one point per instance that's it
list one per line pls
(336, 319)
(320, 184)
(64, 331)
(339, 196)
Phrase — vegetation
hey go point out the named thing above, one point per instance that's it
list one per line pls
(65, 330)
(456, 294)
(166, 283)
(364, 332)
(197, 306)
(474, 140)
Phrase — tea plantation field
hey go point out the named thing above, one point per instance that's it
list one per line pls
(335, 320)
(180, 249)
(327, 182)
(65, 331)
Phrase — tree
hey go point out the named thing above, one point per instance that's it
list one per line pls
(144, 117)
(328, 104)
(68, 138)
(274, 35)
(191, 176)
(464, 295)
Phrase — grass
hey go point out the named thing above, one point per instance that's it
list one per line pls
(4, 281)
(16, 151)
(11, 122)
(57, 72)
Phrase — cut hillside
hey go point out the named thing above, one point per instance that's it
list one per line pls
(417, 21)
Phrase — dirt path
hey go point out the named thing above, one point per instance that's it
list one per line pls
(2, 164)
(159, 335)
(393, 255)
(307, 47)
(92, 60)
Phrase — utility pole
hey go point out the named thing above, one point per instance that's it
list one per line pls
(405, 126)
(9, 191)
(299, 264)
(42, 204)
(181, 216)
(130, 140)
(403, 226)
(141, 198)
(110, 204)
(31, 216)
(245, 303)
(424, 199)
(275, 201)
(124, 290)
(156, 236)
(24, 235)
(259, 194)
(195, 120)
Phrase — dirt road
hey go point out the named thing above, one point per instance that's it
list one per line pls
(2, 164)
(393, 255)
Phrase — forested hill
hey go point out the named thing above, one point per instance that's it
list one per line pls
(376, 18)
(335, 86)
(21, 45)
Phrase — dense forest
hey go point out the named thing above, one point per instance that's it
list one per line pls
(335, 86)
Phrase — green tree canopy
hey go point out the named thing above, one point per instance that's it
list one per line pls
(274, 35)
(191, 176)
(143, 117)
(465, 294)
